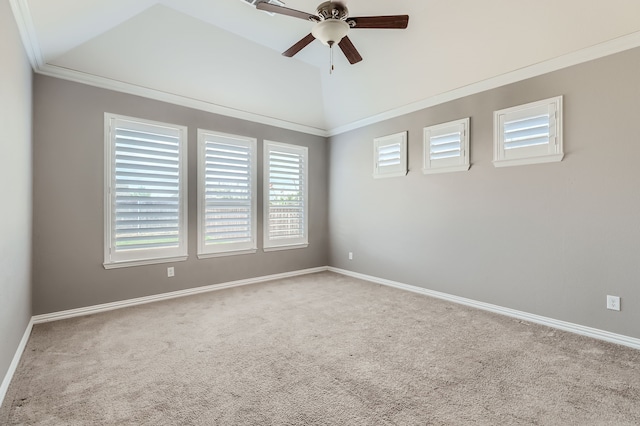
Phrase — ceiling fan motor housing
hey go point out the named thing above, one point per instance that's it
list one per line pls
(332, 10)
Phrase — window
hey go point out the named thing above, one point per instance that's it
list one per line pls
(446, 147)
(528, 134)
(145, 192)
(226, 194)
(390, 156)
(286, 196)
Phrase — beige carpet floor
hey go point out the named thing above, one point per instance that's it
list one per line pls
(321, 349)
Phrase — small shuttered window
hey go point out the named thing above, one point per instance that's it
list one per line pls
(286, 196)
(529, 134)
(446, 147)
(390, 155)
(226, 194)
(145, 199)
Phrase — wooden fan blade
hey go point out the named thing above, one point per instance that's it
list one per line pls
(285, 11)
(349, 50)
(298, 46)
(396, 21)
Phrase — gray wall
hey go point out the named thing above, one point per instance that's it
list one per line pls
(549, 239)
(15, 191)
(68, 201)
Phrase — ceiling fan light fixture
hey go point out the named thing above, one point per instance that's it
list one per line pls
(330, 31)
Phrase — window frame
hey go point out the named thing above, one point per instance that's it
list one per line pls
(232, 249)
(148, 256)
(293, 243)
(545, 153)
(400, 169)
(431, 166)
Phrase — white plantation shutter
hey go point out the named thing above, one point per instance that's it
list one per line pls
(446, 147)
(286, 199)
(390, 155)
(226, 194)
(146, 211)
(530, 133)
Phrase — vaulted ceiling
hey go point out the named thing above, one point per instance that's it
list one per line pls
(224, 55)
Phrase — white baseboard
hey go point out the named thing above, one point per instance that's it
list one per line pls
(14, 363)
(550, 322)
(55, 316)
(619, 339)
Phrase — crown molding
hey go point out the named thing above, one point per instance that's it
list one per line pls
(22, 16)
(28, 34)
(146, 92)
(597, 51)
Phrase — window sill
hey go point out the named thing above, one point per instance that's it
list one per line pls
(388, 175)
(226, 253)
(287, 247)
(435, 170)
(553, 158)
(130, 263)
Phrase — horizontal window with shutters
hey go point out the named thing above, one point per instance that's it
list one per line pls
(528, 134)
(390, 156)
(446, 147)
(286, 196)
(145, 192)
(226, 194)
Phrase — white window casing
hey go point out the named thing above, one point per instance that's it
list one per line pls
(227, 175)
(390, 156)
(528, 134)
(145, 192)
(286, 198)
(446, 147)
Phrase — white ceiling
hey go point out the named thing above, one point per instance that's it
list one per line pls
(224, 55)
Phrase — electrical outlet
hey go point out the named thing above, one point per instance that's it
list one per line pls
(350, 255)
(171, 272)
(613, 303)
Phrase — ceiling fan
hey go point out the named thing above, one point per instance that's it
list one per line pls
(332, 23)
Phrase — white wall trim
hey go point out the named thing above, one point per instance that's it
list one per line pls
(550, 322)
(538, 319)
(14, 363)
(146, 92)
(590, 53)
(23, 19)
(22, 15)
(29, 37)
(89, 310)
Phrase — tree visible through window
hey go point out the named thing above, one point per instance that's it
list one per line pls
(226, 194)
(145, 215)
(286, 204)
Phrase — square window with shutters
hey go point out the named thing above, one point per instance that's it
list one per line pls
(528, 134)
(226, 194)
(286, 204)
(145, 192)
(390, 156)
(446, 147)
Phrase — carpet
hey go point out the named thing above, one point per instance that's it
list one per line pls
(320, 349)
